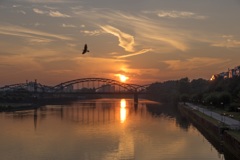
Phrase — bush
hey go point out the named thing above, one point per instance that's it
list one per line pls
(233, 107)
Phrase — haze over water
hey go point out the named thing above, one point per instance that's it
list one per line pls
(103, 129)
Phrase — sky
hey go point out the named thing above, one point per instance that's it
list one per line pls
(147, 41)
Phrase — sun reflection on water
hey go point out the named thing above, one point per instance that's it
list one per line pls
(123, 111)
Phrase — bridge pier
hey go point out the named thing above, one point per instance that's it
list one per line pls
(135, 98)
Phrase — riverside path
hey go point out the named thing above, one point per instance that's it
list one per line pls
(232, 123)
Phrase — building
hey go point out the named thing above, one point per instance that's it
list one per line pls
(229, 74)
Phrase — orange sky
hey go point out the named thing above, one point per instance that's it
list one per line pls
(147, 41)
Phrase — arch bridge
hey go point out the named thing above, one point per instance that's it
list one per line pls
(80, 86)
(98, 85)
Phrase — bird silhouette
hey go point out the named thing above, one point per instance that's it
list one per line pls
(85, 49)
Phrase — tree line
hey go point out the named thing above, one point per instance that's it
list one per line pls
(222, 92)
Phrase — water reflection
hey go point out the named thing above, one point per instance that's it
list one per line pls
(102, 129)
(123, 111)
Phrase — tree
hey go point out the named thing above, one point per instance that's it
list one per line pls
(184, 98)
(183, 85)
(224, 98)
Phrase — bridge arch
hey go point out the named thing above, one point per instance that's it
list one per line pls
(100, 82)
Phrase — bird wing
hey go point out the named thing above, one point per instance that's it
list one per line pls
(84, 49)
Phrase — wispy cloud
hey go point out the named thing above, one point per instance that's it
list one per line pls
(16, 6)
(45, 1)
(176, 14)
(37, 24)
(68, 25)
(51, 13)
(194, 63)
(126, 41)
(40, 40)
(29, 33)
(38, 11)
(148, 33)
(93, 32)
(136, 53)
(22, 12)
(48, 7)
(228, 44)
(57, 14)
(227, 41)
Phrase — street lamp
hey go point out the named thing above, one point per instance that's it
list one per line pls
(211, 108)
(239, 121)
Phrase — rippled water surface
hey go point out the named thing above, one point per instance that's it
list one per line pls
(103, 129)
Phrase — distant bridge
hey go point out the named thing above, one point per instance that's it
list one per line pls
(81, 86)
(99, 84)
(78, 85)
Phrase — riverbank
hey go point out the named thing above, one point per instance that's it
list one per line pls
(214, 129)
(27, 105)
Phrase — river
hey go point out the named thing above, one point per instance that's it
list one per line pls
(102, 129)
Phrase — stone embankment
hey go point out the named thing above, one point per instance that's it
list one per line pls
(214, 129)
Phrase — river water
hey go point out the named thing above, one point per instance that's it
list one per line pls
(102, 129)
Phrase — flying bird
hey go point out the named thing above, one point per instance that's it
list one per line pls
(85, 49)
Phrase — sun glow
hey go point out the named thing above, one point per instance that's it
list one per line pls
(123, 78)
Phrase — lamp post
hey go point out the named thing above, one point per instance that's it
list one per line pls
(239, 120)
(203, 106)
(211, 108)
(222, 104)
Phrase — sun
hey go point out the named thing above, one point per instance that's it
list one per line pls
(123, 78)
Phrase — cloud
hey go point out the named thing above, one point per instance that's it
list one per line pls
(93, 33)
(126, 41)
(29, 33)
(194, 63)
(57, 14)
(227, 44)
(16, 6)
(45, 1)
(136, 53)
(148, 32)
(72, 45)
(68, 25)
(38, 11)
(227, 41)
(37, 24)
(48, 7)
(23, 12)
(40, 40)
(51, 13)
(176, 14)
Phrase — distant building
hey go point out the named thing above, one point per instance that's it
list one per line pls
(230, 74)
(237, 70)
